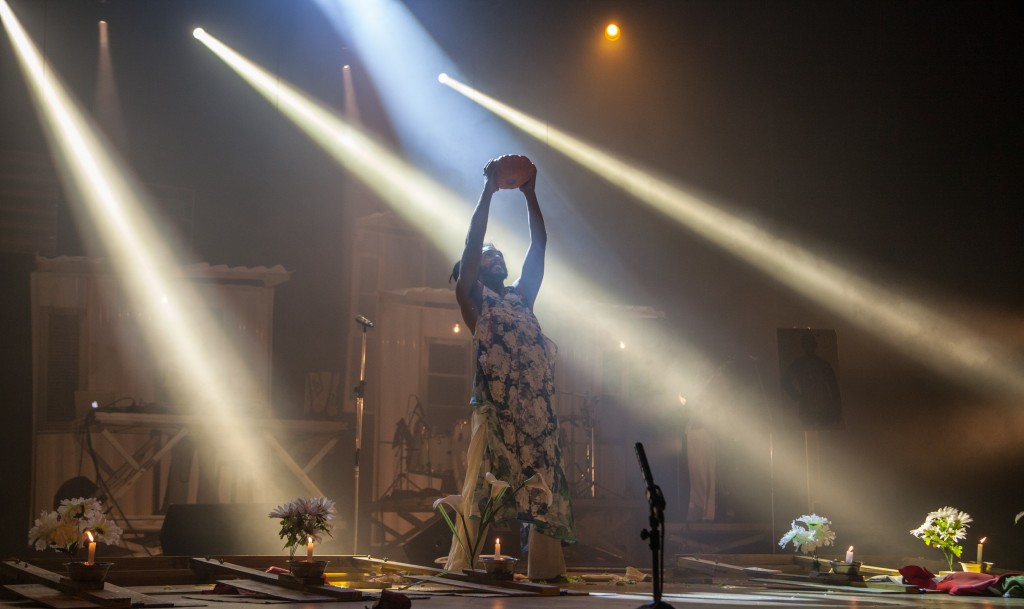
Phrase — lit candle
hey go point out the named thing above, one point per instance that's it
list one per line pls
(92, 548)
(309, 547)
(849, 555)
(497, 547)
(980, 545)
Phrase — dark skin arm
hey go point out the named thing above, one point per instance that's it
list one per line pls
(528, 284)
(469, 287)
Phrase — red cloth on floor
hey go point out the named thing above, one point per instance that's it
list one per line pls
(958, 583)
(965, 584)
(918, 576)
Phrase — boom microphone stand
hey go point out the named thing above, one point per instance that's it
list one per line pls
(655, 536)
(360, 393)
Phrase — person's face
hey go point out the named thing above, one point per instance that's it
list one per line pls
(492, 264)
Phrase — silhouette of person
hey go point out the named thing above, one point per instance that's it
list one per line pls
(811, 381)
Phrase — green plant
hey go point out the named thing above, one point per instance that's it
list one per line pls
(304, 520)
(463, 533)
(942, 529)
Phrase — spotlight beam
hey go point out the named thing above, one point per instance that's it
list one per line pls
(438, 213)
(571, 300)
(925, 334)
(173, 318)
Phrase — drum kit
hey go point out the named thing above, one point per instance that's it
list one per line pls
(425, 451)
(438, 454)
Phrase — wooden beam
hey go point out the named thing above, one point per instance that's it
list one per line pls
(219, 566)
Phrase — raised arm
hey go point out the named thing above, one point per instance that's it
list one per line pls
(467, 288)
(532, 275)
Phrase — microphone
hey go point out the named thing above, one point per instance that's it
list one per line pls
(364, 321)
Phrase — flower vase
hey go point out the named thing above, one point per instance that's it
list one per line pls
(88, 575)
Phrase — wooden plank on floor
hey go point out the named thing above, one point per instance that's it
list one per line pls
(528, 586)
(219, 566)
(366, 562)
(866, 587)
(108, 596)
(278, 592)
(474, 586)
(51, 597)
(714, 566)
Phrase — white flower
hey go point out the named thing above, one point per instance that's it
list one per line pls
(536, 481)
(63, 529)
(816, 532)
(496, 485)
(942, 529)
(106, 531)
(453, 500)
(44, 530)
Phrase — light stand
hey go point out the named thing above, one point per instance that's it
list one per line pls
(771, 448)
(656, 535)
(360, 393)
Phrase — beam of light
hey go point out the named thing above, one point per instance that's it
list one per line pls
(913, 328)
(438, 213)
(440, 133)
(401, 58)
(446, 134)
(106, 102)
(407, 190)
(175, 321)
(351, 102)
(570, 303)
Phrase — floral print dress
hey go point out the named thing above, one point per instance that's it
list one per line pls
(513, 388)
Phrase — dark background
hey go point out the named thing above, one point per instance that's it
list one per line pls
(884, 135)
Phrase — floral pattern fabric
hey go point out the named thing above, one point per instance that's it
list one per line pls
(513, 386)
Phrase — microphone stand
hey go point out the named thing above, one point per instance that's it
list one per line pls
(656, 535)
(360, 393)
(771, 448)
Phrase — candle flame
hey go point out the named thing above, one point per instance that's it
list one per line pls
(309, 539)
(89, 535)
(851, 549)
(983, 540)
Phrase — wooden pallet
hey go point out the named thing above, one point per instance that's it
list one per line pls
(67, 594)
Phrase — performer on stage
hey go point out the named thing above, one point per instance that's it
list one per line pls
(515, 431)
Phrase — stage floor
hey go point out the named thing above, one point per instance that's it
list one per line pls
(178, 582)
(632, 597)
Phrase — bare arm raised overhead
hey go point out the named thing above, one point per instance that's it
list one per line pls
(528, 284)
(485, 266)
(467, 285)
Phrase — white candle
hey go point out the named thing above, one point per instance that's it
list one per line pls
(497, 547)
(980, 544)
(849, 555)
(309, 547)
(92, 549)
